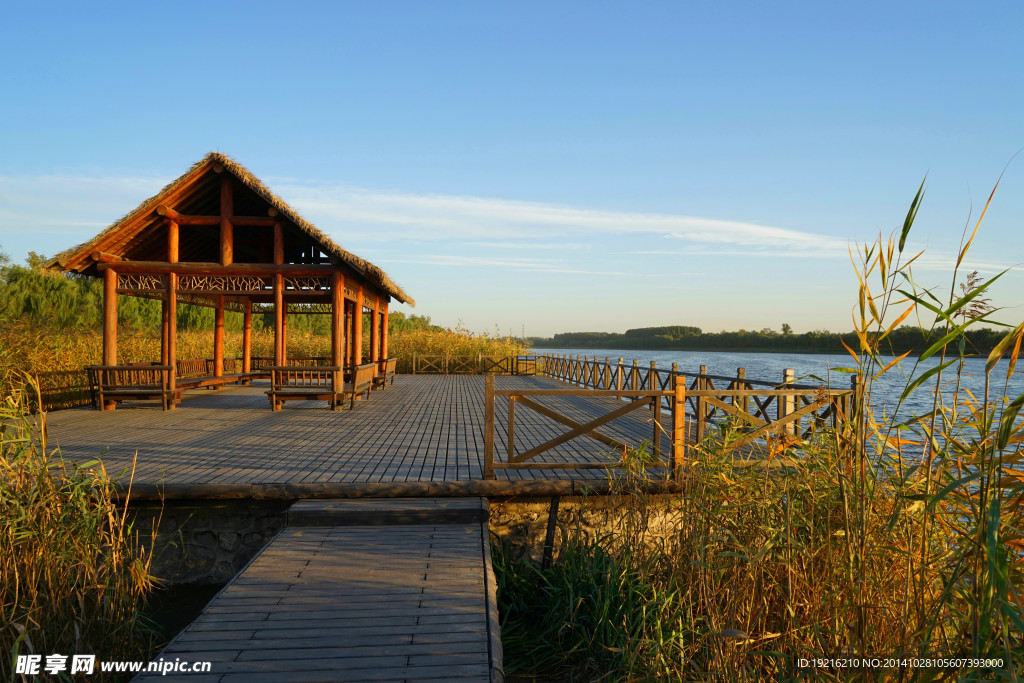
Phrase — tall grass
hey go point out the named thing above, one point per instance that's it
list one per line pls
(73, 571)
(457, 342)
(35, 347)
(897, 535)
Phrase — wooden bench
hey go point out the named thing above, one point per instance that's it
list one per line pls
(304, 382)
(197, 373)
(362, 377)
(385, 371)
(136, 381)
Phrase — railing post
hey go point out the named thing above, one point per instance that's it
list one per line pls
(856, 409)
(653, 384)
(702, 383)
(701, 407)
(606, 376)
(741, 383)
(489, 427)
(634, 380)
(679, 434)
(618, 379)
(414, 363)
(785, 406)
(672, 376)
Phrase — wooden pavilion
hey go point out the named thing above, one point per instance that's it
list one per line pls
(218, 237)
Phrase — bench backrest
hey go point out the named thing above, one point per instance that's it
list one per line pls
(362, 376)
(131, 376)
(303, 376)
(194, 367)
(387, 366)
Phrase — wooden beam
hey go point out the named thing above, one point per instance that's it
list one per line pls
(207, 268)
(104, 257)
(227, 208)
(183, 219)
(187, 219)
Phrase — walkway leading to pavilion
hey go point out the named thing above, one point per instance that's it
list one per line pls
(357, 590)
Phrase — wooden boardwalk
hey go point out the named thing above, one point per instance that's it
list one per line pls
(423, 428)
(403, 602)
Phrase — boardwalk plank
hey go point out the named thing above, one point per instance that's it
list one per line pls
(422, 429)
(402, 602)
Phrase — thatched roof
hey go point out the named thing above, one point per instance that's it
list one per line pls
(134, 224)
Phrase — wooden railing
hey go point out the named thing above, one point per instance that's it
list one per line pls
(750, 411)
(61, 389)
(525, 398)
(591, 372)
(466, 365)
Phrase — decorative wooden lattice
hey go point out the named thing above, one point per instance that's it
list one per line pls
(220, 283)
(140, 282)
(308, 284)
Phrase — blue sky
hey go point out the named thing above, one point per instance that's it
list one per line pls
(543, 166)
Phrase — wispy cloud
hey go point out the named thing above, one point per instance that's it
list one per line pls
(72, 204)
(82, 204)
(523, 264)
(481, 218)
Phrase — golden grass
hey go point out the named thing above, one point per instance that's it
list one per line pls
(74, 575)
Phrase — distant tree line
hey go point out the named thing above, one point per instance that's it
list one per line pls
(688, 338)
(68, 301)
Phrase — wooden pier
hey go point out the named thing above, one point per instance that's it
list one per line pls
(395, 590)
(423, 435)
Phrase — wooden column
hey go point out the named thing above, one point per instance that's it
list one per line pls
(218, 338)
(171, 302)
(165, 320)
(109, 317)
(357, 333)
(247, 337)
(337, 319)
(278, 294)
(227, 232)
(172, 328)
(278, 319)
(375, 333)
(109, 323)
(384, 332)
(350, 326)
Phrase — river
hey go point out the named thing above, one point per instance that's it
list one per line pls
(808, 366)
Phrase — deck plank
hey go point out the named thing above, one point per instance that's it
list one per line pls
(353, 603)
(423, 428)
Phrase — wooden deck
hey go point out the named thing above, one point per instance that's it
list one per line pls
(423, 428)
(405, 602)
